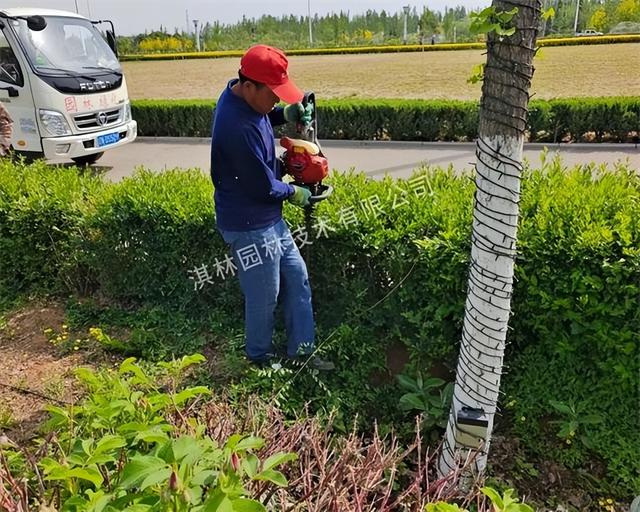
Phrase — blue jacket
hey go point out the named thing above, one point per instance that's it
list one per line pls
(245, 171)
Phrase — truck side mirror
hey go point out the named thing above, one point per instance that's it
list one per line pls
(111, 41)
(13, 92)
(36, 23)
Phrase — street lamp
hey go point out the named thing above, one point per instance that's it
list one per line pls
(310, 30)
(406, 13)
(195, 25)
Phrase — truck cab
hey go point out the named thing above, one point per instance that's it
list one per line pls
(62, 84)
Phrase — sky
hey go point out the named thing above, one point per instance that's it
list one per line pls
(134, 16)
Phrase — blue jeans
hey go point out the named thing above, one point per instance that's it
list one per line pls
(270, 267)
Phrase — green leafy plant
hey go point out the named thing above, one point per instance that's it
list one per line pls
(441, 506)
(491, 20)
(120, 449)
(575, 421)
(431, 397)
(506, 502)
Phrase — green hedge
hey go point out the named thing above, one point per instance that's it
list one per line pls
(396, 277)
(565, 41)
(561, 120)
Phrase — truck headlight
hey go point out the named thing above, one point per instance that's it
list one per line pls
(54, 123)
(127, 112)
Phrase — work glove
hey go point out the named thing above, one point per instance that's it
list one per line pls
(298, 113)
(300, 196)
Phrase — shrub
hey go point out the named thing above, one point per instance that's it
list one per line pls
(559, 120)
(390, 274)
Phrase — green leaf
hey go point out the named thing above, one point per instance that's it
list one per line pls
(190, 360)
(406, 382)
(89, 473)
(218, 502)
(108, 443)
(141, 467)
(561, 407)
(247, 505)
(129, 366)
(591, 419)
(412, 401)
(250, 443)
(154, 434)
(272, 476)
(190, 393)
(186, 449)
(493, 495)
(442, 506)
(277, 459)
(433, 382)
(549, 13)
(250, 465)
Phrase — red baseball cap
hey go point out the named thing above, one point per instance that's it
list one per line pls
(268, 65)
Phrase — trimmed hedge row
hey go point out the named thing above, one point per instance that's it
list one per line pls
(390, 272)
(560, 120)
(567, 41)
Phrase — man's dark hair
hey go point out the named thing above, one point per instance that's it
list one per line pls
(244, 79)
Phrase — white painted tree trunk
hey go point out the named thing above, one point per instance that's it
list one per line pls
(503, 118)
(487, 307)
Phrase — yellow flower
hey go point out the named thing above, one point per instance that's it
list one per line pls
(48, 330)
(64, 326)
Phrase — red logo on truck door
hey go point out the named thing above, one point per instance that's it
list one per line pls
(70, 104)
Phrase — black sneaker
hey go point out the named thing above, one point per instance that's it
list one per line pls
(265, 362)
(314, 362)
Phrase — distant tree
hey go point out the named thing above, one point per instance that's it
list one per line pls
(628, 10)
(599, 20)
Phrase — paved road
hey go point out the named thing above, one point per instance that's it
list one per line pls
(374, 158)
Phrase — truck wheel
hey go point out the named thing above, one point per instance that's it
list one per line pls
(88, 159)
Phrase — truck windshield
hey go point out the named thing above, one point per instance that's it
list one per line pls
(67, 46)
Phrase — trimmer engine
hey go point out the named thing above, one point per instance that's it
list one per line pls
(305, 163)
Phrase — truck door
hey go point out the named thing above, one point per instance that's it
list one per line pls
(15, 94)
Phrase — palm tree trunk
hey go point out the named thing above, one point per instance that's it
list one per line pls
(503, 118)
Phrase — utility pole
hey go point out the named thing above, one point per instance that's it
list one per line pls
(310, 28)
(195, 25)
(186, 12)
(575, 23)
(406, 13)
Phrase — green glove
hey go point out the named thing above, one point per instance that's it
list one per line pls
(300, 196)
(297, 113)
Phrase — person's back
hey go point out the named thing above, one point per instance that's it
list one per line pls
(244, 167)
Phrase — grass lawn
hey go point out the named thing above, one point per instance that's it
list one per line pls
(570, 71)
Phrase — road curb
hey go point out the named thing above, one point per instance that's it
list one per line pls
(398, 144)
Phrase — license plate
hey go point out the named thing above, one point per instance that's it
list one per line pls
(109, 138)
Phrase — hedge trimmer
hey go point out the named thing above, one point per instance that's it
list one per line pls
(304, 160)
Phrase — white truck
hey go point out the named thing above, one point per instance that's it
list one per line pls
(62, 84)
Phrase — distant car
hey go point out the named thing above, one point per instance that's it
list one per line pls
(588, 32)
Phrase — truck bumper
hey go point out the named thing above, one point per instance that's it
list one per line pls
(74, 146)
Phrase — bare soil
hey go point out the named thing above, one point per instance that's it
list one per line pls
(30, 361)
(570, 71)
